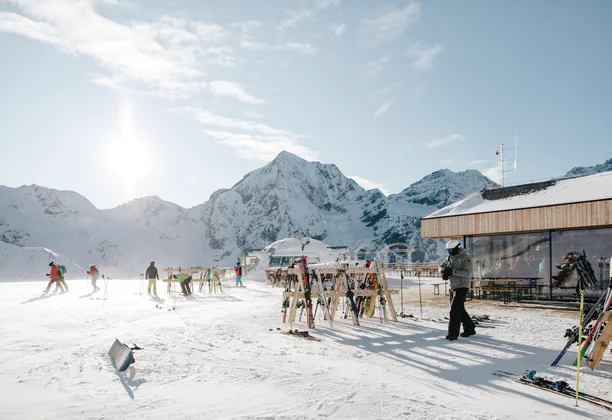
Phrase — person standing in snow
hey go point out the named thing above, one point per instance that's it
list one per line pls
(54, 276)
(153, 276)
(457, 268)
(184, 280)
(94, 273)
(239, 275)
(61, 283)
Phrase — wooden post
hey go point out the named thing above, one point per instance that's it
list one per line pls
(390, 305)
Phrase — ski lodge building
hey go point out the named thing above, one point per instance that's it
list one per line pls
(524, 232)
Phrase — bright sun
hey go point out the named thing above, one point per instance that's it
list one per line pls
(127, 157)
(130, 160)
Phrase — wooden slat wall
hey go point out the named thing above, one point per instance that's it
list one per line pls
(566, 216)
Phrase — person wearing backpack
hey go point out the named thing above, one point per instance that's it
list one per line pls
(94, 273)
(61, 283)
(54, 276)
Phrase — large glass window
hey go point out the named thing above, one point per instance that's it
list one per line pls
(509, 256)
(581, 258)
(522, 258)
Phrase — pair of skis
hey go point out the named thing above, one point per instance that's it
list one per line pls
(307, 298)
(556, 387)
(603, 304)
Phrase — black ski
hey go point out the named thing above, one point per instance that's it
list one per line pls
(556, 387)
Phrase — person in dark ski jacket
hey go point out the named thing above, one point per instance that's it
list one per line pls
(457, 268)
(239, 275)
(54, 277)
(184, 280)
(153, 276)
(94, 273)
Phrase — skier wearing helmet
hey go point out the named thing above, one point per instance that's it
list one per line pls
(457, 268)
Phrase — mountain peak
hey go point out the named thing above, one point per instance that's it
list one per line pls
(589, 170)
(288, 157)
(443, 187)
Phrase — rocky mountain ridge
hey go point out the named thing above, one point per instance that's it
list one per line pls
(288, 196)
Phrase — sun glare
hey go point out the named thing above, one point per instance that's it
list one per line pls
(128, 158)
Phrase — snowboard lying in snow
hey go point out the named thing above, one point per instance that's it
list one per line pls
(121, 355)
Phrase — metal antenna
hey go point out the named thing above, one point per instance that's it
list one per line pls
(500, 152)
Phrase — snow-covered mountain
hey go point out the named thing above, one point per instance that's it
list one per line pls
(288, 196)
(589, 170)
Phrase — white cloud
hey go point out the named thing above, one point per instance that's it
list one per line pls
(392, 24)
(295, 16)
(384, 107)
(423, 55)
(291, 46)
(374, 68)
(250, 139)
(253, 115)
(493, 173)
(369, 185)
(446, 162)
(297, 47)
(166, 57)
(439, 142)
(324, 4)
(261, 147)
(234, 90)
(338, 29)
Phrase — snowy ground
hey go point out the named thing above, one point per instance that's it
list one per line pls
(215, 358)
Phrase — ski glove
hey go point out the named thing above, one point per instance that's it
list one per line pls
(447, 273)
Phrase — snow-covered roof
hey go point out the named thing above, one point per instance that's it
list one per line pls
(563, 191)
(296, 246)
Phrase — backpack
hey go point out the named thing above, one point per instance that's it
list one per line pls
(61, 270)
(64, 270)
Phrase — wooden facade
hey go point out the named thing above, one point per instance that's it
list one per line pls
(563, 216)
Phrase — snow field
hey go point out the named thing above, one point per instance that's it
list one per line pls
(215, 358)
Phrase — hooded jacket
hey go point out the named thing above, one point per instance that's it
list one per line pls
(461, 264)
(152, 272)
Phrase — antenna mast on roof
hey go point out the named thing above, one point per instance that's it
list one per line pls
(500, 152)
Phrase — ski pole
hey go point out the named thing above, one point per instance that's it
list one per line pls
(420, 298)
(579, 344)
(402, 290)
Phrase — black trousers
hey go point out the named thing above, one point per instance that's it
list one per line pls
(185, 286)
(458, 314)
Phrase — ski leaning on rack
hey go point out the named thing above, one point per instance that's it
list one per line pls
(351, 297)
(381, 291)
(602, 303)
(556, 387)
(307, 298)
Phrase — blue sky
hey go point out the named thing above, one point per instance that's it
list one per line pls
(121, 99)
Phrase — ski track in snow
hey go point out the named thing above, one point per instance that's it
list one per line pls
(214, 357)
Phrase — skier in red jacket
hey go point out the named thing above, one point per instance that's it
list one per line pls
(94, 273)
(54, 275)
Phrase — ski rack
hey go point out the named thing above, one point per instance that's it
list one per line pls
(341, 288)
(214, 282)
